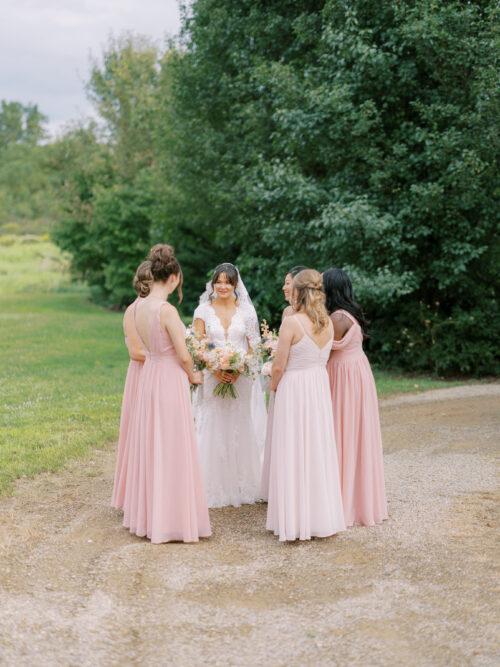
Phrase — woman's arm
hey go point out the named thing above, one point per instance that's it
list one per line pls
(199, 327)
(134, 345)
(285, 341)
(173, 324)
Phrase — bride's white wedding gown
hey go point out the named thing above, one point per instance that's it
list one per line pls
(230, 432)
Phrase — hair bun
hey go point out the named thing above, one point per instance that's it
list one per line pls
(161, 252)
(163, 261)
(143, 279)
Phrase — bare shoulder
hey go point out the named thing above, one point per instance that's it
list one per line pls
(128, 316)
(286, 313)
(169, 312)
(289, 326)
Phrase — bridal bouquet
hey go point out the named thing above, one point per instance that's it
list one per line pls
(268, 348)
(198, 347)
(226, 358)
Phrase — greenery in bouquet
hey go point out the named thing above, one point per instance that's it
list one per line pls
(227, 358)
(268, 348)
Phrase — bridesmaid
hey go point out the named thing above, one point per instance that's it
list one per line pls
(142, 283)
(304, 489)
(164, 496)
(287, 291)
(355, 407)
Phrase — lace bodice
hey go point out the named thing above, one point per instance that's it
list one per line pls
(230, 432)
(241, 333)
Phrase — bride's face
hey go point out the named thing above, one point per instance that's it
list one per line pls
(288, 288)
(223, 288)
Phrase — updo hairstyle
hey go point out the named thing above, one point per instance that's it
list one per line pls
(309, 297)
(143, 279)
(164, 264)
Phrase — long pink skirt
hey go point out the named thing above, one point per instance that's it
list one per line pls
(128, 404)
(359, 440)
(264, 483)
(304, 489)
(164, 496)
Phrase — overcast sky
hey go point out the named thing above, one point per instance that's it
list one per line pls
(45, 47)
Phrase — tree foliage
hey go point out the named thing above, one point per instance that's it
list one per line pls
(28, 198)
(320, 132)
(108, 180)
(354, 134)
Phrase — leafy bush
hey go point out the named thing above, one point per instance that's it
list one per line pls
(320, 132)
(360, 135)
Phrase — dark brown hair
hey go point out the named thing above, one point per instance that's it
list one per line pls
(340, 296)
(295, 270)
(143, 279)
(231, 273)
(164, 264)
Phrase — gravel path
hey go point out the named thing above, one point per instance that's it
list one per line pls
(77, 589)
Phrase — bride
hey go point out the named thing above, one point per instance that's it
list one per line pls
(230, 432)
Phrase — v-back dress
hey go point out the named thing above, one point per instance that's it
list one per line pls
(357, 429)
(164, 495)
(304, 487)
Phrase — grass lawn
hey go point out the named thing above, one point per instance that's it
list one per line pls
(63, 363)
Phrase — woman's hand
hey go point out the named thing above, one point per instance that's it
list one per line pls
(228, 377)
(222, 376)
(196, 377)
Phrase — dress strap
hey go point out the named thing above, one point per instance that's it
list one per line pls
(301, 325)
(348, 315)
(134, 309)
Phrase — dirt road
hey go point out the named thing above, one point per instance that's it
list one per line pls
(77, 589)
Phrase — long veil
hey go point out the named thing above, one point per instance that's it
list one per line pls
(258, 407)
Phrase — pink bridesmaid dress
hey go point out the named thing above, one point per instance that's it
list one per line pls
(128, 403)
(357, 429)
(304, 488)
(264, 483)
(164, 495)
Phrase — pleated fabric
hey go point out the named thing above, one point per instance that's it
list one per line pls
(128, 405)
(164, 495)
(357, 430)
(304, 487)
(266, 464)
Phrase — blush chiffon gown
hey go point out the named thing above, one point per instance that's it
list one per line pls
(164, 494)
(128, 404)
(304, 487)
(357, 429)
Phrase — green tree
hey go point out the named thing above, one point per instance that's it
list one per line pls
(28, 200)
(109, 182)
(20, 124)
(355, 134)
